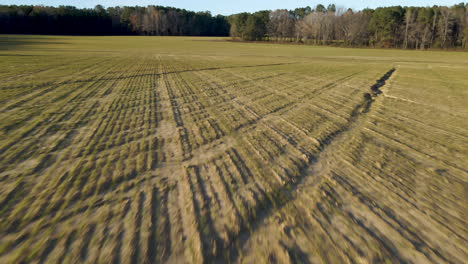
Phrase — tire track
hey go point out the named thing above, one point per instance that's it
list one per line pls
(317, 167)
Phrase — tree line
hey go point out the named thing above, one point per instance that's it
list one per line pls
(395, 27)
(150, 20)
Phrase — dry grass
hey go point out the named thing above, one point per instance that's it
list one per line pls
(159, 149)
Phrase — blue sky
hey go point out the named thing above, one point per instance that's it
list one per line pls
(227, 7)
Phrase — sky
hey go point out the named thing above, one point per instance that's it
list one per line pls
(228, 7)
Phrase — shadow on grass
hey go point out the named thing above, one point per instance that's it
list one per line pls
(15, 42)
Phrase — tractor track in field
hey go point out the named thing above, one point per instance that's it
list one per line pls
(160, 151)
(312, 174)
(178, 72)
(173, 159)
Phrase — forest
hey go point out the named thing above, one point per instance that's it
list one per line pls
(151, 20)
(391, 27)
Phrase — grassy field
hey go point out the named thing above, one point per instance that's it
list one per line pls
(199, 150)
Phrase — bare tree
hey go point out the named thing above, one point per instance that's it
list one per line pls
(423, 25)
(281, 24)
(328, 28)
(311, 26)
(353, 27)
(408, 23)
(444, 24)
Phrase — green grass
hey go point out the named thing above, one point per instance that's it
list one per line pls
(160, 149)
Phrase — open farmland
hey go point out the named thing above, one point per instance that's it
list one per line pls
(199, 150)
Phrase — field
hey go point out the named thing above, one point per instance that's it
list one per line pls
(200, 150)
